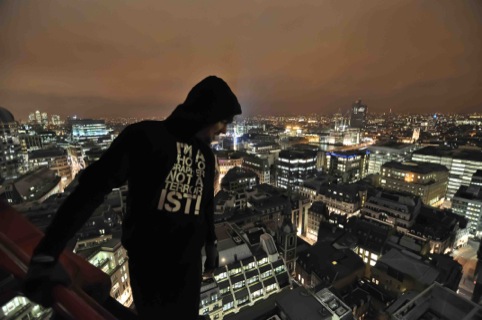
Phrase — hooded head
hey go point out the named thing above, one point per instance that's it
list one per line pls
(210, 101)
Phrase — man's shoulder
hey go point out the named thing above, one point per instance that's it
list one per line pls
(146, 127)
(147, 124)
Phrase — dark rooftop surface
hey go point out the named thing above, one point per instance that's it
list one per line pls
(328, 262)
(54, 152)
(392, 144)
(418, 167)
(311, 308)
(465, 154)
(469, 193)
(237, 173)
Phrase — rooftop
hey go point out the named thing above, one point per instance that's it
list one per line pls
(418, 167)
(464, 154)
(411, 265)
(469, 193)
(438, 302)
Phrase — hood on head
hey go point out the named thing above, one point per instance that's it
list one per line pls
(208, 102)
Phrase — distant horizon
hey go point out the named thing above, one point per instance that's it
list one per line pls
(87, 112)
(140, 58)
(118, 117)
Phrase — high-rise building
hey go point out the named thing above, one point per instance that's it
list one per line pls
(342, 199)
(226, 160)
(467, 202)
(258, 165)
(45, 119)
(391, 151)
(477, 178)
(56, 120)
(317, 213)
(31, 118)
(293, 167)
(392, 209)
(35, 186)
(426, 180)
(358, 115)
(462, 164)
(111, 257)
(38, 117)
(11, 155)
(88, 129)
(238, 179)
(349, 166)
(57, 160)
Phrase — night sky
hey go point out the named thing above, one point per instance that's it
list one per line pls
(112, 58)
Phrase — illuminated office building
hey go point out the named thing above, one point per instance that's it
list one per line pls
(342, 199)
(227, 160)
(293, 167)
(110, 257)
(426, 180)
(317, 213)
(382, 153)
(462, 163)
(88, 129)
(57, 160)
(258, 165)
(349, 166)
(467, 202)
(250, 270)
(358, 115)
(239, 179)
(11, 156)
(392, 209)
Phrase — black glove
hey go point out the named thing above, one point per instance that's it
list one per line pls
(44, 273)
(212, 257)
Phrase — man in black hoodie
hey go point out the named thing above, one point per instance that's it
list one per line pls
(170, 170)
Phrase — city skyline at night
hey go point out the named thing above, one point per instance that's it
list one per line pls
(113, 59)
(317, 212)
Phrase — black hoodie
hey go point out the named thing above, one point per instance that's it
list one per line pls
(170, 176)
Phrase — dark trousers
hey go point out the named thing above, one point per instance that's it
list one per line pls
(166, 290)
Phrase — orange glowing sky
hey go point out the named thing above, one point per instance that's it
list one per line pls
(97, 58)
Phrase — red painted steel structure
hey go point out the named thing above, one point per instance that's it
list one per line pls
(90, 286)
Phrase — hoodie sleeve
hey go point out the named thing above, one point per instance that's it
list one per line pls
(211, 235)
(96, 181)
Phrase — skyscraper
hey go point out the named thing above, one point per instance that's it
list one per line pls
(11, 157)
(293, 167)
(358, 115)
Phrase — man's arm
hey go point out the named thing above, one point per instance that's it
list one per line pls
(212, 256)
(97, 180)
(110, 171)
(211, 244)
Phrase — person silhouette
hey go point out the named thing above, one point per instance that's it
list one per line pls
(169, 168)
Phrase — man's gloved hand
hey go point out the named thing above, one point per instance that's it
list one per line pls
(212, 258)
(43, 274)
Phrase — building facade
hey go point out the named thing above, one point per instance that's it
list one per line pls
(461, 163)
(382, 153)
(396, 210)
(467, 202)
(427, 180)
(293, 167)
(358, 117)
(11, 155)
(350, 166)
